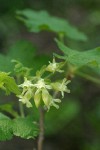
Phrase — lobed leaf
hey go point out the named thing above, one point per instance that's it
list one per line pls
(25, 128)
(41, 20)
(80, 59)
(5, 128)
(8, 83)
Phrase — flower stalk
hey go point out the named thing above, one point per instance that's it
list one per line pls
(41, 134)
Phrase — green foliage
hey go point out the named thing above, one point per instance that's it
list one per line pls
(78, 62)
(94, 117)
(5, 128)
(9, 109)
(20, 70)
(22, 127)
(25, 127)
(95, 145)
(80, 59)
(95, 18)
(23, 51)
(41, 20)
(8, 83)
(55, 120)
(5, 64)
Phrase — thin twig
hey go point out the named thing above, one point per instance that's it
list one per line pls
(41, 134)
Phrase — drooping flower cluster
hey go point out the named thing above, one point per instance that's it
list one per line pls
(27, 92)
(39, 88)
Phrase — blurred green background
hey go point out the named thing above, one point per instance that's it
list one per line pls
(76, 125)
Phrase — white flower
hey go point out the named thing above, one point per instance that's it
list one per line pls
(27, 83)
(41, 84)
(27, 92)
(41, 92)
(61, 86)
(54, 66)
(25, 97)
(25, 101)
(53, 103)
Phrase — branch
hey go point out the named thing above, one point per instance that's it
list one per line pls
(41, 134)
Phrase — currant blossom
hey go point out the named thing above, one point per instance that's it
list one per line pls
(25, 100)
(27, 92)
(26, 84)
(61, 86)
(54, 66)
(41, 84)
(53, 103)
(42, 92)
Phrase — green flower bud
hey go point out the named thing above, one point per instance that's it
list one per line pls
(37, 98)
(29, 94)
(46, 97)
(28, 104)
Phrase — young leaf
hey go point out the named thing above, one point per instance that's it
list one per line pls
(25, 128)
(8, 83)
(5, 128)
(41, 20)
(80, 59)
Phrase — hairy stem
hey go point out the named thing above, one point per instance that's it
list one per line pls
(41, 134)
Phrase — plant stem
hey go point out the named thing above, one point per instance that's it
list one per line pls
(50, 75)
(61, 37)
(41, 134)
(21, 110)
(86, 76)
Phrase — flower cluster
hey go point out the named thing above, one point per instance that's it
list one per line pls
(27, 92)
(39, 88)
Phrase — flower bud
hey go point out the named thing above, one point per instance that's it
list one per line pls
(37, 99)
(46, 97)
